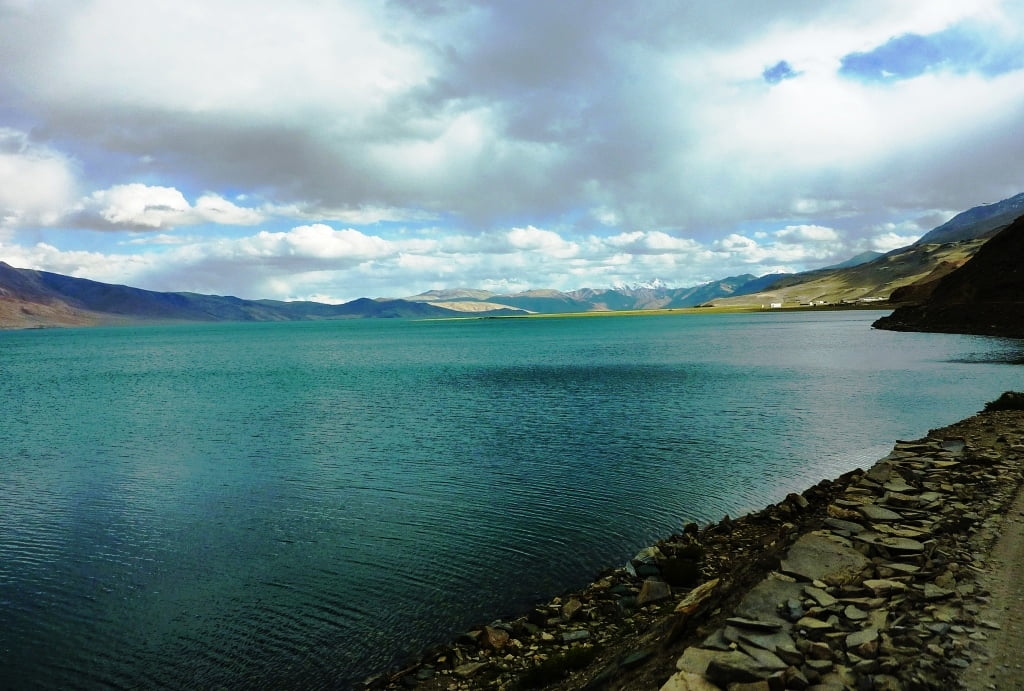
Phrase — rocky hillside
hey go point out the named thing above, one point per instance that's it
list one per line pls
(984, 296)
(883, 277)
(873, 281)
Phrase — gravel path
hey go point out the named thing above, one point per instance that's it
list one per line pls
(1001, 666)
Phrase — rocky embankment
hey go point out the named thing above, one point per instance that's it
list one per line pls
(869, 581)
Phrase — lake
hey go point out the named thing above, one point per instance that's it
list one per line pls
(303, 504)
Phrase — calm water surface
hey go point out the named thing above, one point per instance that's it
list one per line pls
(302, 504)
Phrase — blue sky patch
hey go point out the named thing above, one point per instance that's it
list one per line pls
(957, 49)
(778, 72)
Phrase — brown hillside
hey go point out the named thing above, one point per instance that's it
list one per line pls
(984, 296)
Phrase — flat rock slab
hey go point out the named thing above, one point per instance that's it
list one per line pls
(874, 512)
(762, 602)
(898, 544)
(844, 526)
(817, 558)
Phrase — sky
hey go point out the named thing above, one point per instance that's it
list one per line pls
(330, 150)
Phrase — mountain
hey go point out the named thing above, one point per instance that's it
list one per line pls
(39, 298)
(653, 295)
(976, 222)
(909, 274)
(857, 260)
(900, 275)
(873, 281)
(984, 296)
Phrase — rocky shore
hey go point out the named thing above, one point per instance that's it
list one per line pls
(874, 580)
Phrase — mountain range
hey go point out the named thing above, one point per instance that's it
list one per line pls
(30, 298)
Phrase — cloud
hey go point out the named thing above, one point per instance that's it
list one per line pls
(527, 143)
(342, 264)
(141, 207)
(36, 183)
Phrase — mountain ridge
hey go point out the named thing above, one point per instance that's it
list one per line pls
(38, 298)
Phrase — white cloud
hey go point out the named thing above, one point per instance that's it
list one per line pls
(342, 264)
(886, 242)
(807, 233)
(150, 207)
(232, 56)
(37, 184)
(543, 147)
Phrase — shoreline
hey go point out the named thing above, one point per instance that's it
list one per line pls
(682, 614)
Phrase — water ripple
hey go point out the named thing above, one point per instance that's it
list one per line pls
(282, 506)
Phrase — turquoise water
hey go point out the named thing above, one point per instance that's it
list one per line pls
(303, 504)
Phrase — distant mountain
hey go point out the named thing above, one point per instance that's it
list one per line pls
(857, 260)
(40, 298)
(909, 274)
(652, 295)
(984, 296)
(980, 221)
(452, 294)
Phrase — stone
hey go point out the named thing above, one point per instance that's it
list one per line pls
(575, 635)
(762, 685)
(653, 590)
(469, 669)
(696, 660)
(847, 527)
(858, 638)
(797, 500)
(716, 640)
(882, 586)
(762, 601)
(753, 624)
(815, 628)
(729, 668)
(854, 614)
(819, 651)
(880, 472)
(817, 557)
(571, 608)
(494, 638)
(873, 512)
(778, 642)
(697, 597)
(688, 681)
(897, 544)
(793, 609)
(822, 598)
(898, 485)
(934, 592)
(844, 514)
